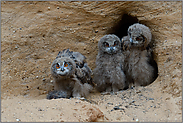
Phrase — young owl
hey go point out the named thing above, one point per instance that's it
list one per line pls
(72, 76)
(108, 74)
(137, 62)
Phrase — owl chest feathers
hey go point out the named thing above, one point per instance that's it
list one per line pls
(109, 64)
(137, 59)
(110, 60)
(64, 83)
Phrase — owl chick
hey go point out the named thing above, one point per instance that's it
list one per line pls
(108, 74)
(137, 62)
(72, 76)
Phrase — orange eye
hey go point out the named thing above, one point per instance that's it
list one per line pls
(107, 45)
(138, 39)
(115, 43)
(57, 66)
(65, 65)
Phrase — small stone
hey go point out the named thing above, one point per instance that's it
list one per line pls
(96, 31)
(17, 119)
(37, 77)
(40, 110)
(44, 79)
(48, 8)
(20, 28)
(51, 81)
(116, 108)
(151, 98)
(14, 31)
(57, 7)
(110, 103)
(137, 120)
(131, 102)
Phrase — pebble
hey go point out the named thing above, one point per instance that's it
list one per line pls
(44, 79)
(151, 98)
(117, 108)
(37, 77)
(17, 119)
(40, 110)
(110, 103)
(137, 120)
(48, 8)
(57, 7)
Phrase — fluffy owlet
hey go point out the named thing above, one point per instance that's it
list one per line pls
(137, 62)
(108, 74)
(72, 76)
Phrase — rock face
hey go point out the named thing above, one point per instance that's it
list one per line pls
(34, 32)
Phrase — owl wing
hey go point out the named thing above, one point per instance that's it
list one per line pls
(84, 74)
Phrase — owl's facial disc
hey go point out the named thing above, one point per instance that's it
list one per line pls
(111, 48)
(63, 69)
(137, 39)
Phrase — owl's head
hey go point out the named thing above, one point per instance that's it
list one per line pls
(63, 67)
(109, 44)
(140, 35)
(126, 44)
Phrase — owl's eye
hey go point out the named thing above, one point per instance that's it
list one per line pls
(57, 66)
(115, 43)
(65, 64)
(138, 39)
(106, 44)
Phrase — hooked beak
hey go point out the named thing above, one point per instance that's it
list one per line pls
(111, 48)
(62, 68)
(131, 40)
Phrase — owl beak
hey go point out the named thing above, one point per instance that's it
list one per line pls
(62, 68)
(131, 40)
(111, 49)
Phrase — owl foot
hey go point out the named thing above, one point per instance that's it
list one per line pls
(105, 93)
(56, 94)
(108, 93)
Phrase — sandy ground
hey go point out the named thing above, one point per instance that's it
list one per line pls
(32, 34)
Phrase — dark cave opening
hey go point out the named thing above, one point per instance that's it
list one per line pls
(120, 29)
